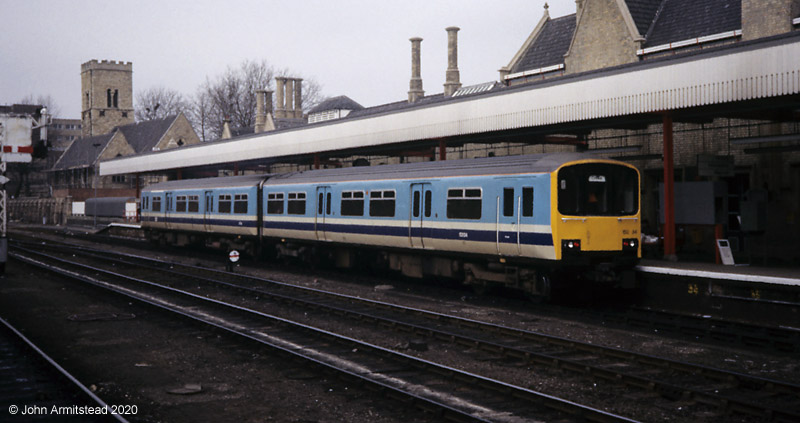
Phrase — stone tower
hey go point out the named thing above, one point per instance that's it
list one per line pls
(107, 96)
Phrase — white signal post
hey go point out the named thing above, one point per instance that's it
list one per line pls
(16, 146)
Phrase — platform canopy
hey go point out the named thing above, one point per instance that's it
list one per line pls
(752, 70)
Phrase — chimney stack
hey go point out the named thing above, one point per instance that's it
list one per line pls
(298, 98)
(452, 80)
(280, 105)
(415, 91)
(264, 120)
(226, 129)
(289, 95)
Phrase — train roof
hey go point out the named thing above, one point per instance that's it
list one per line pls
(505, 165)
(217, 182)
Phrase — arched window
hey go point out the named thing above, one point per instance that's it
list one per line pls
(116, 98)
(108, 97)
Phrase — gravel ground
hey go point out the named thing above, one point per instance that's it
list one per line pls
(139, 360)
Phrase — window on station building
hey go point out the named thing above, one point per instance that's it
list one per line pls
(275, 203)
(297, 203)
(464, 203)
(382, 203)
(352, 203)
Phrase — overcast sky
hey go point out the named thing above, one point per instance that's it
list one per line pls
(357, 48)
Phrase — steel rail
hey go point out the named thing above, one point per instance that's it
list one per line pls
(475, 406)
(63, 372)
(604, 370)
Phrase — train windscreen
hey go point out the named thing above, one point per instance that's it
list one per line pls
(598, 189)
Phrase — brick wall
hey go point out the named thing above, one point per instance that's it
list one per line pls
(763, 18)
(602, 38)
(98, 117)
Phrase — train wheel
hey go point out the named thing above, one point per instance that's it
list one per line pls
(543, 288)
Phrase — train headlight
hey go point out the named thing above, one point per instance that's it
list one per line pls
(572, 245)
(630, 244)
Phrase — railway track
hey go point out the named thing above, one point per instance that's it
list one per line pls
(451, 393)
(35, 388)
(675, 325)
(708, 390)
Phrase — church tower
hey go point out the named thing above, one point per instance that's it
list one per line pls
(107, 96)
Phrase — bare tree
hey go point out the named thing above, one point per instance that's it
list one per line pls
(232, 96)
(158, 103)
(43, 100)
(200, 113)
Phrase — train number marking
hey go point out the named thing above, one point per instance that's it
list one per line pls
(693, 289)
(463, 235)
(755, 294)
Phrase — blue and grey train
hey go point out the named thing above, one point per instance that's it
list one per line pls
(513, 221)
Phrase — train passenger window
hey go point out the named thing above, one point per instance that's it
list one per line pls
(508, 202)
(328, 204)
(297, 203)
(352, 203)
(209, 204)
(180, 203)
(145, 202)
(464, 203)
(381, 203)
(194, 204)
(156, 203)
(275, 203)
(428, 203)
(320, 201)
(225, 203)
(416, 203)
(240, 203)
(527, 201)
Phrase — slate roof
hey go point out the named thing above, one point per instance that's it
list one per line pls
(280, 123)
(141, 136)
(82, 152)
(550, 46)
(341, 102)
(681, 20)
(643, 13)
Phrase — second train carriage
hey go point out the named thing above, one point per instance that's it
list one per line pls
(514, 221)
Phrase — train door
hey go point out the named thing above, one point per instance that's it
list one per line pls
(323, 212)
(420, 212)
(167, 207)
(208, 211)
(507, 221)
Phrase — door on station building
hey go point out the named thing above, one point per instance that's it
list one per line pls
(419, 214)
(323, 212)
(208, 211)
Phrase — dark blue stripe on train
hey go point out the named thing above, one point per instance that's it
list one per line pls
(526, 238)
